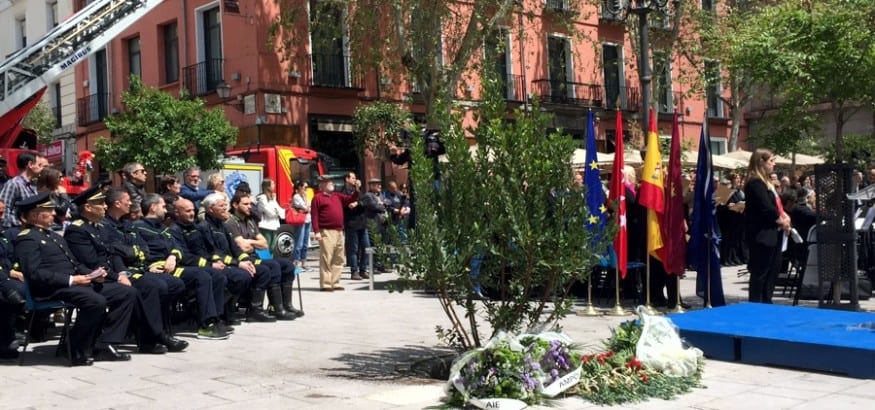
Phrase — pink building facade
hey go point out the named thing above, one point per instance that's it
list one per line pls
(197, 46)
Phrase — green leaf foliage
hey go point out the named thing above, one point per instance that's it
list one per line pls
(508, 206)
(164, 133)
(42, 121)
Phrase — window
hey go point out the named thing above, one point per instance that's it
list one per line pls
(52, 16)
(613, 74)
(718, 145)
(713, 89)
(134, 63)
(497, 53)
(210, 49)
(707, 4)
(171, 53)
(559, 68)
(21, 32)
(662, 78)
(55, 98)
(330, 62)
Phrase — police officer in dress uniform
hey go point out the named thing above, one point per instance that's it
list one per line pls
(194, 253)
(221, 247)
(53, 273)
(11, 299)
(95, 244)
(165, 257)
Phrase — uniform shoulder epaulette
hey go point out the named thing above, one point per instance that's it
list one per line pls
(24, 232)
(78, 222)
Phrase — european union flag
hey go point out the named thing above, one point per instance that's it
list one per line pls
(595, 195)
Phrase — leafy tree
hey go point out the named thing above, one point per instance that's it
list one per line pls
(42, 121)
(510, 208)
(380, 124)
(163, 132)
(704, 41)
(807, 53)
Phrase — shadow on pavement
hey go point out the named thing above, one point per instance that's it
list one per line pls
(408, 362)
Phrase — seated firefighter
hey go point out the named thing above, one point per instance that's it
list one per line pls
(244, 231)
(53, 273)
(194, 253)
(221, 247)
(165, 258)
(97, 244)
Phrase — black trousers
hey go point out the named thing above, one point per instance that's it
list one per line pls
(763, 265)
(154, 302)
(8, 311)
(237, 280)
(209, 291)
(282, 268)
(264, 277)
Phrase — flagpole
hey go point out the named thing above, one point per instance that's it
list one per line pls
(590, 310)
(678, 308)
(647, 304)
(618, 308)
(708, 279)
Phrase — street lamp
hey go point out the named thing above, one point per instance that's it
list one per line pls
(621, 9)
(223, 90)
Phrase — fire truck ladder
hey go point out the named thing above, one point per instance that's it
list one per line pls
(34, 67)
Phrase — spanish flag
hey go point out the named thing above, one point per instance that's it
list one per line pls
(651, 195)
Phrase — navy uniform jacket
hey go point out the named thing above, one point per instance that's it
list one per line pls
(189, 240)
(219, 243)
(6, 257)
(122, 242)
(88, 245)
(159, 241)
(46, 261)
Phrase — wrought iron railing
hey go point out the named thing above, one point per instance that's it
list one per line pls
(92, 109)
(332, 70)
(202, 78)
(569, 92)
(626, 98)
(515, 89)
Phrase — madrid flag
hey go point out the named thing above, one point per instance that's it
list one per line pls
(618, 195)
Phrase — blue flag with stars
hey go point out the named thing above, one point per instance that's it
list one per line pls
(595, 195)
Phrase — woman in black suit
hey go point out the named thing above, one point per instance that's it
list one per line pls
(766, 226)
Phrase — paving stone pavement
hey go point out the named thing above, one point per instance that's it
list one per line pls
(352, 349)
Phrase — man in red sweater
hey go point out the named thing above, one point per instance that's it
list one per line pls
(327, 218)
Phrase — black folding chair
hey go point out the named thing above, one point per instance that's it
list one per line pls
(33, 307)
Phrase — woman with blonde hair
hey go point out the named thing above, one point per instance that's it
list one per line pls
(766, 226)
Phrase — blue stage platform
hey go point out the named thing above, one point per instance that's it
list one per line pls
(806, 338)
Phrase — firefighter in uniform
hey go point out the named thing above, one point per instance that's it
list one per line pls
(248, 238)
(222, 248)
(165, 257)
(194, 253)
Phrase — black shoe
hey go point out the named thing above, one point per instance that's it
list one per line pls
(173, 344)
(260, 316)
(296, 312)
(109, 354)
(80, 359)
(224, 328)
(153, 348)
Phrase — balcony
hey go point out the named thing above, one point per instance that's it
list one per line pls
(515, 88)
(567, 92)
(92, 109)
(331, 70)
(202, 78)
(626, 98)
(667, 103)
(558, 6)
